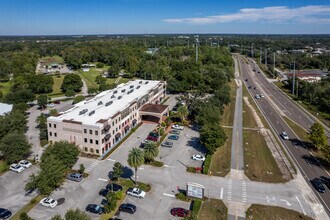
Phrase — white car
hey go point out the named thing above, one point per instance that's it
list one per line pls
(51, 105)
(284, 135)
(177, 127)
(48, 202)
(198, 157)
(136, 192)
(16, 168)
(25, 164)
(257, 96)
(262, 95)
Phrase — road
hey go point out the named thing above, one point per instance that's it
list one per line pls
(307, 164)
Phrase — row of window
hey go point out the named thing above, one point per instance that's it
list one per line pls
(91, 132)
(91, 141)
(92, 150)
(50, 125)
(51, 134)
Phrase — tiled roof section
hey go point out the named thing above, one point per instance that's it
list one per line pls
(155, 108)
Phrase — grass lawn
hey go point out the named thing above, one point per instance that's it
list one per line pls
(27, 207)
(57, 86)
(5, 87)
(90, 77)
(213, 209)
(248, 119)
(259, 212)
(220, 164)
(227, 117)
(302, 134)
(3, 166)
(48, 60)
(259, 162)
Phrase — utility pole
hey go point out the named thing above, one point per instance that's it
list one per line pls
(197, 48)
(274, 64)
(294, 75)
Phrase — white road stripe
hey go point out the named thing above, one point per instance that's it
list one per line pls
(301, 205)
(111, 160)
(221, 193)
(169, 166)
(103, 180)
(169, 195)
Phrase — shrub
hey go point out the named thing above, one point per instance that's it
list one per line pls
(181, 196)
(191, 169)
(206, 164)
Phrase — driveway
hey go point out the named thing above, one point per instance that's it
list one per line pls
(12, 191)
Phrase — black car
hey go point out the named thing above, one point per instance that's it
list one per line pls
(93, 208)
(5, 213)
(114, 187)
(127, 207)
(104, 192)
(317, 183)
(326, 181)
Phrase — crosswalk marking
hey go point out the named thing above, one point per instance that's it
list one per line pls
(91, 167)
(230, 182)
(244, 199)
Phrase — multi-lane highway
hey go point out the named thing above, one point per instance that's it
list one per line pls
(271, 106)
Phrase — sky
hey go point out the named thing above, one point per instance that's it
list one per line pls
(82, 17)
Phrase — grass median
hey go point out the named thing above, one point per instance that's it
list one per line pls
(259, 162)
(35, 201)
(213, 209)
(273, 213)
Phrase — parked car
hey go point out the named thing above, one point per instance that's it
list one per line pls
(284, 135)
(173, 131)
(262, 96)
(57, 102)
(249, 87)
(93, 208)
(75, 177)
(198, 157)
(325, 181)
(151, 138)
(136, 192)
(114, 187)
(5, 213)
(48, 202)
(257, 96)
(177, 127)
(180, 212)
(127, 207)
(318, 185)
(16, 168)
(25, 164)
(167, 144)
(153, 134)
(173, 137)
(50, 105)
(104, 192)
(144, 142)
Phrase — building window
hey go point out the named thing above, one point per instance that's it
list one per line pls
(90, 132)
(113, 123)
(50, 125)
(54, 125)
(86, 149)
(96, 142)
(85, 139)
(91, 150)
(123, 124)
(55, 134)
(116, 121)
(116, 129)
(90, 141)
(97, 151)
(96, 132)
(102, 141)
(113, 132)
(50, 134)
(85, 131)
(119, 126)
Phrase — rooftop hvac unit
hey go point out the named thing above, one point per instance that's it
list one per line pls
(91, 113)
(131, 86)
(113, 96)
(140, 82)
(147, 82)
(100, 103)
(123, 90)
(83, 111)
(138, 87)
(119, 97)
(115, 92)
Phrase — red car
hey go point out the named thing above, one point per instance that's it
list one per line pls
(152, 138)
(180, 212)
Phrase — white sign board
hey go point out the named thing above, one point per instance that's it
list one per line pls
(195, 190)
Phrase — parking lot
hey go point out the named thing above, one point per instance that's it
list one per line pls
(12, 191)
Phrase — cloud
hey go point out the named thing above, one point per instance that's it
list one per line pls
(278, 14)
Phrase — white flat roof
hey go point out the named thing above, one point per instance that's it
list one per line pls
(101, 110)
(5, 108)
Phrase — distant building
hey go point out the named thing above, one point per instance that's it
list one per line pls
(308, 75)
(152, 51)
(5, 108)
(97, 125)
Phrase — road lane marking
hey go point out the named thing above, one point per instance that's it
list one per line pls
(301, 205)
(104, 180)
(221, 193)
(111, 160)
(168, 166)
(140, 168)
(169, 195)
(286, 201)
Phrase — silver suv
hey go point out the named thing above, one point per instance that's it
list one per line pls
(75, 177)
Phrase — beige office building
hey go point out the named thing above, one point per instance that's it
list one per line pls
(97, 125)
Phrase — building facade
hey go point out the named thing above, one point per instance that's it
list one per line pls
(97, 125)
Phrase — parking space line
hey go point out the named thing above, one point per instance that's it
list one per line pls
(221, 193)
(103, 180)
(168, 166)
(169, 195)
(112, 160)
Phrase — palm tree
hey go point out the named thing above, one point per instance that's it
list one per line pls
(182, 112)
(150, 151)
(135, 159)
